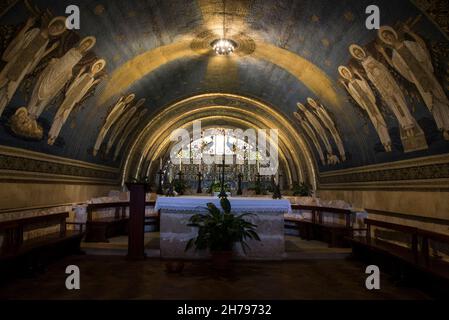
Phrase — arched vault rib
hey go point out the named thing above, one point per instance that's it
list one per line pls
(302, 69)
(253, 113)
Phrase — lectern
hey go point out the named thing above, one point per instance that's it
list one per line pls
(136, 247)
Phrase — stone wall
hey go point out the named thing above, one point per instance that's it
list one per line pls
(15, 195)
(421, 203)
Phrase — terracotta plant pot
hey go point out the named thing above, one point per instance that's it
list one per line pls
(174, 266)
(221, 259)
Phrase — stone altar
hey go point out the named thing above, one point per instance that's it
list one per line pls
(269, 218)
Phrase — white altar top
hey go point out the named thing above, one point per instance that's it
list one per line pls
(239, 204)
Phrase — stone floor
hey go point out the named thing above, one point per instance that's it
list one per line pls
(113, 277)
(295, 248)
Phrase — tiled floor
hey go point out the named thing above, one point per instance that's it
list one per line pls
(320, 273)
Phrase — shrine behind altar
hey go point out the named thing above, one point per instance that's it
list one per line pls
(212, 173)
(244, 161)
(268, 216)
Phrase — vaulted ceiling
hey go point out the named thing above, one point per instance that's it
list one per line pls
(287, 51)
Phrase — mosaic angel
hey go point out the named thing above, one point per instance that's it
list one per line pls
(24, 53)
(325, 117)
(55, 76)
(412, 60)
(83, 82)
(115, 113)
(129, 128)
(121, 124)
(412, 136)
(361, 92)
(309, 131)
(315, 123)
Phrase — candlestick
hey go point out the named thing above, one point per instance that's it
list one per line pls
(159, 188)
(200, 178)
(239, 189)
(223, 192)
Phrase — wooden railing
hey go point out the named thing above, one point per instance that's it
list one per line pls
(100, 229)
(416, 253)
(111, 205)
(317, 213)
(316, 228)
(18, 254)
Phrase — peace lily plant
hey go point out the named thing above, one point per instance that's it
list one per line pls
(219, 230)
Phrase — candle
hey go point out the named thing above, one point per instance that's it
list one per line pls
(277, 176)
(160, 163)
(224, 145)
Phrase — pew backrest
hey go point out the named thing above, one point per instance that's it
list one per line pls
(120, 208)
(13, 230)
(318, 211)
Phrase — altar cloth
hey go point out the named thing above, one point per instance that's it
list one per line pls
(238, 204)
(268, 216)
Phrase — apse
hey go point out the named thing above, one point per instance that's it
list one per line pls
(324, 125)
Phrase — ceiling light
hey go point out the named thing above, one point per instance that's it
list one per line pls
(223, 47)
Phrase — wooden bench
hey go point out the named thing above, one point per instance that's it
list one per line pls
(101, 229)
(17, 253)
(384, 247)
(316, 228)
(408, 257)
(433, 264)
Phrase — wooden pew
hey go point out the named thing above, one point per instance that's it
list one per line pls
(433, 264)
(17, 253)
(100, 229)
(408, 258)
(408, 254)
(317, 229)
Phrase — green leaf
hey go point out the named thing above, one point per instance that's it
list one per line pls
(220, 231)
(225, 205)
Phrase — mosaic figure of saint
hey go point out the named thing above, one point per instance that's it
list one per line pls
(83, 82)
(319, 129)
(412, 136)
(129, 128)
(361, 92)
(309, 131)
(114, 114)
(412, 60)
(24, 53)
(55, 76)
(325, 117)
(121, 124)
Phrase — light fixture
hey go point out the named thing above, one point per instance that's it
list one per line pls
(223, 46)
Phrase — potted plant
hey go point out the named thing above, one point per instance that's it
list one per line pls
(219, 230)
(180, 186)
(215, 188)
(301, 189)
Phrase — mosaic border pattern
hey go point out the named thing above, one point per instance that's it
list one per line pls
(18, 164)
(427, 173)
